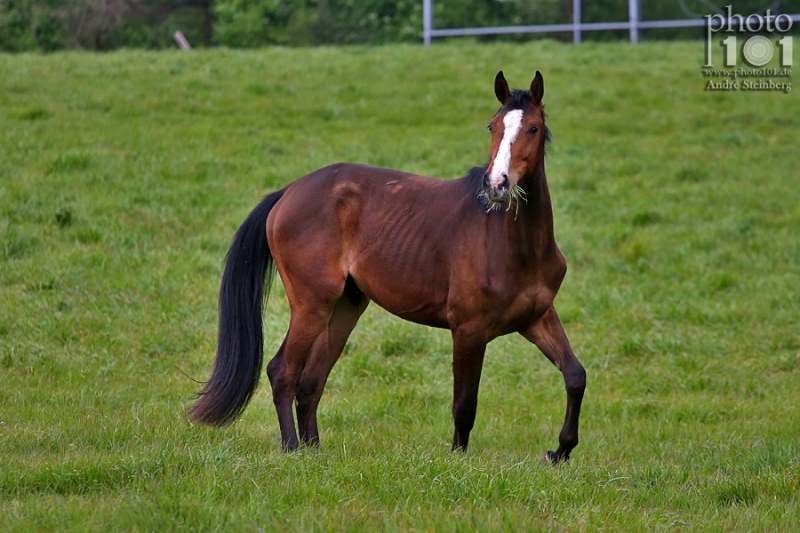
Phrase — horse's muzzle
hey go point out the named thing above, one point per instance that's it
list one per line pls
(496, 194)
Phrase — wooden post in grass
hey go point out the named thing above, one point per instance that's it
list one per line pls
(181, 40)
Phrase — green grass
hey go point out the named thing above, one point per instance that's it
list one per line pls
(124, 175)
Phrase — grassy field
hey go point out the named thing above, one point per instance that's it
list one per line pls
(124, 175)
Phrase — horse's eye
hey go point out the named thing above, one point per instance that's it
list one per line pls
(533, 129)
(490, 128)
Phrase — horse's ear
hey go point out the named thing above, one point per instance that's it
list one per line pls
(537, 88)
(501, 89)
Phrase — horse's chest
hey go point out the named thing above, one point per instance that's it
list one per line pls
(515, 302)
(502, 303)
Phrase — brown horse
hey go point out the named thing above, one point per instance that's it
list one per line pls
(475, 255)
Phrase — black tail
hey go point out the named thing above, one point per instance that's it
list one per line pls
(240, 346)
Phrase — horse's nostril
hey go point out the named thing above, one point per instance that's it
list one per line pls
(504, 184)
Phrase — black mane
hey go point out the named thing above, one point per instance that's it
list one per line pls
(474, 178)
(519, 99)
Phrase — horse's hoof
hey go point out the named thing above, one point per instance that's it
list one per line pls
(310, 443)
(290, 447)
(552, 458)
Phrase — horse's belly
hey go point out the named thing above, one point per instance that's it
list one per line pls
(411, 297)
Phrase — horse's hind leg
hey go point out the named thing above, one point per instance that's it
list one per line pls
(548, 334)
(324, 354)
(284, 371)
(309, 243)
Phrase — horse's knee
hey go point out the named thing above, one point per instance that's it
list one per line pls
(575, 379)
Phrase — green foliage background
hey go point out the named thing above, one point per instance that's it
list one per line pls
(107, 24)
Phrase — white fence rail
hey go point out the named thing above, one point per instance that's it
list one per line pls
(633, 24)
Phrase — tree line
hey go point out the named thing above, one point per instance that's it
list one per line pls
(47, 25)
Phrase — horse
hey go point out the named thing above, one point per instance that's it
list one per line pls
(476, 255)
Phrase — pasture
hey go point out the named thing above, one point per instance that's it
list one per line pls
(123, 177)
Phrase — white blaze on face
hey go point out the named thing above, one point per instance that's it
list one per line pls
(512, 122)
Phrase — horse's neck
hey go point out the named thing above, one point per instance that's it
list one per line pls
(531, 226)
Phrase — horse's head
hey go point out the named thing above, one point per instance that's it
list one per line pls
(518, 138)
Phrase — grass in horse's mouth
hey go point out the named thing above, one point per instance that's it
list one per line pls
(514, 196)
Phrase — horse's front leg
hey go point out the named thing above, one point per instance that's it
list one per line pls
(469, 347)
(548, 334)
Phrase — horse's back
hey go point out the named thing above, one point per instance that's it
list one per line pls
(390, 230)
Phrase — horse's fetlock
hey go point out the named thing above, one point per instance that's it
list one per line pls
(464, 417)
(567, 440)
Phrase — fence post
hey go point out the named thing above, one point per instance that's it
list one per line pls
(576, 21)
(427, 21)
(633, 16)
